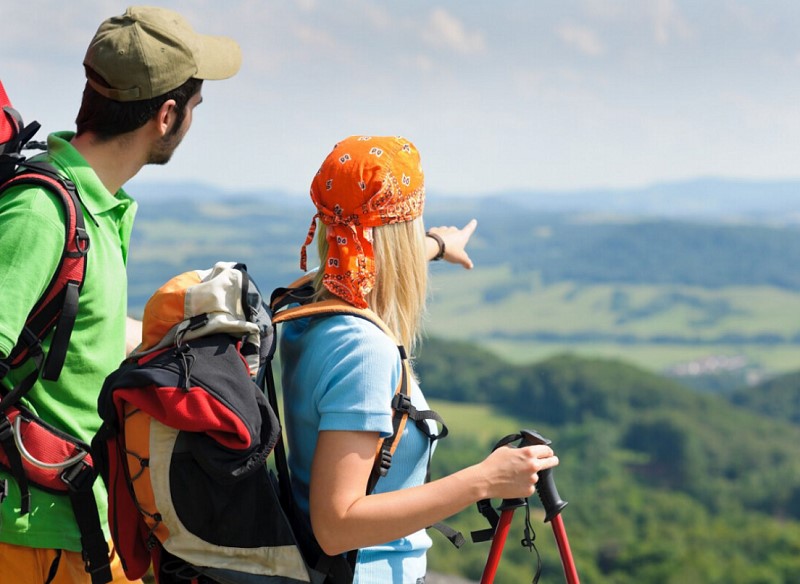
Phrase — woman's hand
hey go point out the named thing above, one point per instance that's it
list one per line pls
(455, 243)
(511, 473)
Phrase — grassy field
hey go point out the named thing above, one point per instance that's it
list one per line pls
(655, 327)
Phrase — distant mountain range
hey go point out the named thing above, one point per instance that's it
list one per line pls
(702, 198)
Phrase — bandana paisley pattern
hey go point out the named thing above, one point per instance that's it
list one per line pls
(365, 181)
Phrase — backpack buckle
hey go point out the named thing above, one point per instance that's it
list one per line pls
(401, 402)
(79, 476)
(385, 462)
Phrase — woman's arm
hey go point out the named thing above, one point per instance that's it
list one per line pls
(455, 241)
(343, 517)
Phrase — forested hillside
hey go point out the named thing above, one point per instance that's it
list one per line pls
(664, 484)
(558, 247)
(593, 249)
(778, 398)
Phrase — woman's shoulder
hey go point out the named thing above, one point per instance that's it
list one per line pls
(346, 347)
(348, 331)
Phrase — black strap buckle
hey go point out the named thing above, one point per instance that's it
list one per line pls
(385, 462)
(79, 476)
(401, 403)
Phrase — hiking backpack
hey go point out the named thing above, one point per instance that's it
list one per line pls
(186, 433)
(191, 448)
(33, 451)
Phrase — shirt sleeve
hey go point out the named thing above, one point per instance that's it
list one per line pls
(361, 371)
(32, 236)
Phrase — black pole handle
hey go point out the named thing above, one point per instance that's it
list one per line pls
(546, 487)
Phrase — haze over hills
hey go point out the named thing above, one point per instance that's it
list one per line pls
(702, 198)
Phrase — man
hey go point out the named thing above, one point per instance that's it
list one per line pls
(144, 75)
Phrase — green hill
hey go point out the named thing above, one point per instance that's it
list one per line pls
(664, 484)
(777, 398)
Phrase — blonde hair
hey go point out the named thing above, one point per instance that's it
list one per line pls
(401, 277)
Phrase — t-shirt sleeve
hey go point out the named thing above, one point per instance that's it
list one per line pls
(31, 242)
(361, 372)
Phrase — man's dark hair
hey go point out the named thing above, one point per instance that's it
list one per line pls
(108, 118)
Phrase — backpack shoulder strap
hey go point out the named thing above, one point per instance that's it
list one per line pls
(401, 402)
(58, 306)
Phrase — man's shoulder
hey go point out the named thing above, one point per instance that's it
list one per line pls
(34, 199)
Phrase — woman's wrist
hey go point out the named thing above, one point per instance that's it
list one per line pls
(440, 242)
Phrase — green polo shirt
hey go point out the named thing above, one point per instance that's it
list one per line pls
(31, 242)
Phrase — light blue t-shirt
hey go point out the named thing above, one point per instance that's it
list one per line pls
(340, 373)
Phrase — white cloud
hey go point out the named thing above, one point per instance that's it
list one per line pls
(375, 14)
(667, 19)
(581, 38)
(445, 30)
(306, 5)
(313, 36)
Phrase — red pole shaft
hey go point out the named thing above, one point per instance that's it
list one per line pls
(563, 549)
(498, 542)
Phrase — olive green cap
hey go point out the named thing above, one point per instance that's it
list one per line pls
(149, 51)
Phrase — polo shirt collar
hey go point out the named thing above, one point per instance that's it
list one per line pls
(94, 195)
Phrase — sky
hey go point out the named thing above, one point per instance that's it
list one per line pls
(497, 95)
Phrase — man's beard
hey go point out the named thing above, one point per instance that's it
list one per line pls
(162, 151)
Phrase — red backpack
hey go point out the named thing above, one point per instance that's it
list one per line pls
(33, 451)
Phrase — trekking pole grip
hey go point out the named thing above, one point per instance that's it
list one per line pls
(546, 486)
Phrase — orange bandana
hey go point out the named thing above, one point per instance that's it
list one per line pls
(366, 181)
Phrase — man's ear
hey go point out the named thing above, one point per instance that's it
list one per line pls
(166, 116)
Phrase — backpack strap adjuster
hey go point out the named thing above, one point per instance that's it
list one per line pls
(384, 462)
(81, 243)
(402, 403)
(79, 476)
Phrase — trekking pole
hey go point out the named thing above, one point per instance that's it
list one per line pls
(507, 508)
(553, 505)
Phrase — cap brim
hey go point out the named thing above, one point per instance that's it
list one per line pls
(217, 57)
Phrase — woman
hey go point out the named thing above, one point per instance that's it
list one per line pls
(340, 372)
